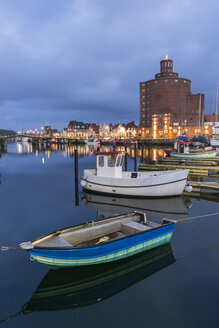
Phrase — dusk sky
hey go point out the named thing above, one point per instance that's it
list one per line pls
(63, 60)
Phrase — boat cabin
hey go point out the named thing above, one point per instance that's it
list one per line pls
(182, 147)
(109, 164)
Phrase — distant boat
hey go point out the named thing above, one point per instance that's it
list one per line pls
(76, 287)
(215, 140)
(182, 150)
(100, 242)
(212, 153)
(108, 178)
(91, 142)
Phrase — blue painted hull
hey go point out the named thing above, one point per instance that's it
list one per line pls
(107, 252)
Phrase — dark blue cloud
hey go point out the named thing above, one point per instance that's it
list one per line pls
(83, 59)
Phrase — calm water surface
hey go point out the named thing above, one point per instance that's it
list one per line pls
(173, 286)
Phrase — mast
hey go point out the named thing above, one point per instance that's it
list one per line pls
(199, 114)
(216, 109)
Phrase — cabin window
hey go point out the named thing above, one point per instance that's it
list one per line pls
(111, 160)
(122, 159)
(118, 160)
(101, 161)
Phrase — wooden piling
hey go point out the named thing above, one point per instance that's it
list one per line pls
(125, 157)
(76, 177)
(142, 153)
(135, 159)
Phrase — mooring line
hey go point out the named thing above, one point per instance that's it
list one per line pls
(197, 217)
(198, 253)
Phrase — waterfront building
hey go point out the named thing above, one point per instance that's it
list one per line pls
(104, 130)
(77, 134)
(167, 104)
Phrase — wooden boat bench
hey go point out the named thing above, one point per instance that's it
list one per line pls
(133, 227)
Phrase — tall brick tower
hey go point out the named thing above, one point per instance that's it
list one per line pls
(168, 93)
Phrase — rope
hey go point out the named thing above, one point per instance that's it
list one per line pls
(197, 253)
(198, 217)
(10, 317)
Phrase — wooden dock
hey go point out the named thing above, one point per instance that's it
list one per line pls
(200, 195)
(197, 185)
(189, 161)
(204, 170)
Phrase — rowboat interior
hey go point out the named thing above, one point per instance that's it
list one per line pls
(99, 232)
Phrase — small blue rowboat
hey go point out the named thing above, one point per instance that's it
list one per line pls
(100, 242)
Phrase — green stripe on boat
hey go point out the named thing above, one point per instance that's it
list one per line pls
(107, 258)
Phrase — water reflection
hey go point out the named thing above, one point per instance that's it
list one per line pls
(70, 288)
(143, 153)
(26, 148)
(155, 208)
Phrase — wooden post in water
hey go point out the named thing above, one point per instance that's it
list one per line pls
(76, 177)
(142, 153)
(135, 159)
(125, 157)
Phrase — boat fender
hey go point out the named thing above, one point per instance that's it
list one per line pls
(188, 188)
(83, 183)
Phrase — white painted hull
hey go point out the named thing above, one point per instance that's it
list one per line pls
(147, 184)
(214, 142)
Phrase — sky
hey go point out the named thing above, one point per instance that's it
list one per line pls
(63, 60)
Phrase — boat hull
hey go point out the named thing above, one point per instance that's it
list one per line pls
(207, 154)
(107, 252)
(154, 184)
(214, 142)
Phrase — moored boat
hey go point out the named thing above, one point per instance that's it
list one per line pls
(211, 153)
(92, 142)
(183, 150)
(108, 178)
(101, 241)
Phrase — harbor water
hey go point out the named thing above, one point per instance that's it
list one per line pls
(172, 286)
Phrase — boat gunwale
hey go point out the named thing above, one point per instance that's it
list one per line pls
(100, 244)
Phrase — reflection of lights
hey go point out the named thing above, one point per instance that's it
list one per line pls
(43, 160)
(19, 148)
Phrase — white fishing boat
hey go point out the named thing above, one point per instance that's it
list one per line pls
(108, 178)
(215, 138)
(91, 142)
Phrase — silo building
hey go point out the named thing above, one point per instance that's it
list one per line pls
(167, 105)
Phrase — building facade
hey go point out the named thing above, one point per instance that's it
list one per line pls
(169, 95)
